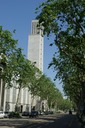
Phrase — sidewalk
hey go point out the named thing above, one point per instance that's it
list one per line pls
(15, 123)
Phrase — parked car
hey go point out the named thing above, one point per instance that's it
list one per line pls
(25, 113)
(33, 114)
(2, 114)
(6, 114)
(48, 112)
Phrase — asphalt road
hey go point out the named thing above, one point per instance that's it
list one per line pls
(45, 121)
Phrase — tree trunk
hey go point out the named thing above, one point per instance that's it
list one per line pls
(17, 101)
(32, 101)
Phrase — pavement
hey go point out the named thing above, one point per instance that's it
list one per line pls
(13, 123)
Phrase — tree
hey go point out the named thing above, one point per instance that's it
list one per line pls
(66, 104)
(7, 47)
(66, 21)
(48, 91)
(24, 74)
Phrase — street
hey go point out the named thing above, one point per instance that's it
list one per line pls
(45, 121)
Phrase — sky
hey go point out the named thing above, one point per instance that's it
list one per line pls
(18, 15)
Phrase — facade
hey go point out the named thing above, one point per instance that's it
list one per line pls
(35, 45)
(11, 98)
(35, 55)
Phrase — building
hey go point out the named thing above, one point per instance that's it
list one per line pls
(35, 45)
(35, 55)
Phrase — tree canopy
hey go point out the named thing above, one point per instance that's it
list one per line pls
(65, 19)
(15, 68)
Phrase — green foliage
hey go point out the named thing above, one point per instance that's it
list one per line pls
(66, 21)
(7, 43)
(7, 48)
(47, 91)
(14, 115)
(66, 104)
(17, 69)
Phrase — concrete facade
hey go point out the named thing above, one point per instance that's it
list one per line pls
(35, 55)
(11, 98)
(35, 45)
